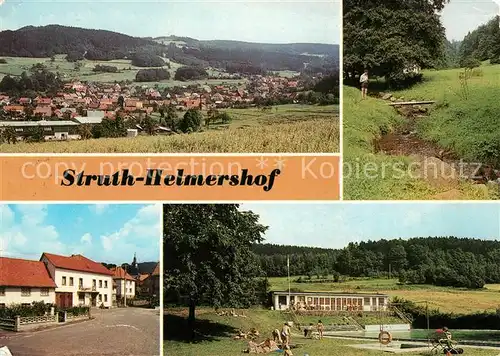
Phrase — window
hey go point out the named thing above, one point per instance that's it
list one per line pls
(100, 297)
(2, 305)
(100, 283)
(64, 280)
(80, 282)
(93, 283)
(25, 292)
(105, 284)
(71, 281)
(105, 297)
(2, 291)
(44, 292)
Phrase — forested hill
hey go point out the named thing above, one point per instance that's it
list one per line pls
(483, 43)
(46, 41)
(288, 48)
(274, 57)
(450, 261)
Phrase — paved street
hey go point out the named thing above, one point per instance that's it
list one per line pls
(130, 331)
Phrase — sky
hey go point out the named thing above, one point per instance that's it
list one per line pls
(335, 225)
(103, 233)
(270, 21)
(461, 16)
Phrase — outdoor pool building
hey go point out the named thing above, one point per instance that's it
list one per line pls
(330, 301)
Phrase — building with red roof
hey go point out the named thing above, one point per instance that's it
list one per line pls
(79, 280)
(24, 282)
(124, 282)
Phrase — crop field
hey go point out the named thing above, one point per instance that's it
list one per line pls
(215, 335)
(16, 65)
(463, 121)
(456, 300)
(288, 130)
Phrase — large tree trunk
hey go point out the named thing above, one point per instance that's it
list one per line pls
(191, 318)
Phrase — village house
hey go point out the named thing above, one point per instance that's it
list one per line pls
(151, 284)
(24, 282)
(79, 280)
(53, 130)
(124, 282)
(330, 301)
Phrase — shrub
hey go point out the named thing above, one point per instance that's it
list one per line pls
(470, 63)
(105, 69)
(191, 121)
(35, 309)
(145, 59)
(190, 73)
(3, 61)
(152, 75)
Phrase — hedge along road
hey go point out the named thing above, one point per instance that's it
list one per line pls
(123, 331)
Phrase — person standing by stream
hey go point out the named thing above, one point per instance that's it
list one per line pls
(364, 79)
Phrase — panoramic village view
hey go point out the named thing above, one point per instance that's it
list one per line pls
(71, 282)
(419, 279)
(104, 88)
(428, 118)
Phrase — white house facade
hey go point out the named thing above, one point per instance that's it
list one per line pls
(25, 282)
(79, 280)
(125, 283)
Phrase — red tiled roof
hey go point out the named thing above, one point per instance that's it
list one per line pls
(77, 263)
(120, 273)
(24, 273)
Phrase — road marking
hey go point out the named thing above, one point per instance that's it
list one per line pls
(123, 325)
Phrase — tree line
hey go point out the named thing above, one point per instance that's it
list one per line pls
(444, 261)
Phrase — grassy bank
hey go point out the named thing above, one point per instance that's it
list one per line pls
(464, 125)
(464, 120)
(453, 300)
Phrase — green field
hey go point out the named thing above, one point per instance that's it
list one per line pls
(468, 127)
(456, 300)
(16, 65)
(292, 128)
(214, 336)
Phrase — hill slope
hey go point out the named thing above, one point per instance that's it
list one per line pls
(46, 41)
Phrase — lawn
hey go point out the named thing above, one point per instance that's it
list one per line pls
(468, 127)
(455, 300)
(289, 129)
(214, 336)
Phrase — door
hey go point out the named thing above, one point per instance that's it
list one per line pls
(64, 300)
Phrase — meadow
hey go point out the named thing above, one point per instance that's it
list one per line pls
(445, 299)
(291, 128)
(462, 121)
(214, 335)
(126, 71)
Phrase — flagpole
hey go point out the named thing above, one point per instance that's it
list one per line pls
(288, 268)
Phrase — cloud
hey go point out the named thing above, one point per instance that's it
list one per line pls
(86, 239)
(140, 234)
(2, 2)
(99, 209)
(27, 237)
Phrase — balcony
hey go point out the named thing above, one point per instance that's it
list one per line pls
(83, 288)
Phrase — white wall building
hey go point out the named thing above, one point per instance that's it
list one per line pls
(79, 281)
(330, 301)
(125, 284)
(24, 282)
